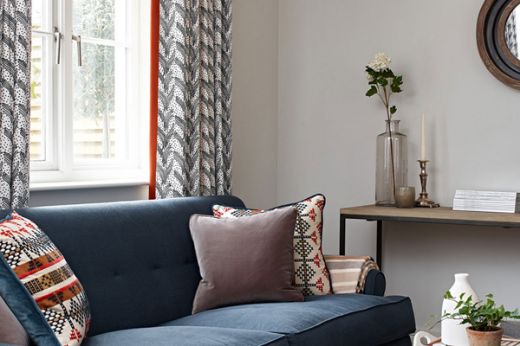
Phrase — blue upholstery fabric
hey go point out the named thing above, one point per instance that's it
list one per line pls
(375, 283)
(341, 319)
(404, 341)
(137, 264)
(135, 260)
(186, 336)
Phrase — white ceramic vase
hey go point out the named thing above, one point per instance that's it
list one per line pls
(452, 332)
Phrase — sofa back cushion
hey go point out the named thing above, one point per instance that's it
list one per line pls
(136, 260)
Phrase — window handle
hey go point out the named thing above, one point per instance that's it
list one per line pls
(77, 38)
(58, 36)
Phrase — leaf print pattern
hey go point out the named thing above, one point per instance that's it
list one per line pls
(194, 124)
(15, 67)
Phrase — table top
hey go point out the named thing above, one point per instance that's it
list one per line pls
(431, 215)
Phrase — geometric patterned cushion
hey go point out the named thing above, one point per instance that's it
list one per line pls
(310, 270)
(47, 279)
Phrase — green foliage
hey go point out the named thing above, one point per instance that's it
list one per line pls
(384, 83)
(482, 316)
(94, 82)
(372, 91)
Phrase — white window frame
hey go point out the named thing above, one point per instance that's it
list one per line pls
(59, 169)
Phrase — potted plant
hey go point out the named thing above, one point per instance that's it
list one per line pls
(484, 318)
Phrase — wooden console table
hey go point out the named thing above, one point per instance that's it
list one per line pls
(441, 215)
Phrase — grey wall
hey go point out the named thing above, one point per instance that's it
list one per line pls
(90, 195)
(327, 129)
(255, 100)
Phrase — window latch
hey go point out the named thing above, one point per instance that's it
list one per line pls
(58, 36)
(77, 38)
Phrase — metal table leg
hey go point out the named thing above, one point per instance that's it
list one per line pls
(379, 249)
(342, 231)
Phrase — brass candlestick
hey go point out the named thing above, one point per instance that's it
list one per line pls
(423, 201)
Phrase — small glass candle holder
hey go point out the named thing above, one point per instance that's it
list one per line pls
(405, 197)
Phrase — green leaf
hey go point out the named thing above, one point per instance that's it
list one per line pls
(372, 91)
(382, 81)
(395, 89)
(387, 73)
(370, 71)
(393, 109)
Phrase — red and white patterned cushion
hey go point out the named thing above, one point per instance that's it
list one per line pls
(310, 271)
(42, 269)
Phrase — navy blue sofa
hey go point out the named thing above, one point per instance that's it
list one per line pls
(137, 263)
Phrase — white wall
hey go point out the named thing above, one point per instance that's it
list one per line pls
(255, 100)
(327, 129)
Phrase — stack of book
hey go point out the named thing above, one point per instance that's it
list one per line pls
(489, 201)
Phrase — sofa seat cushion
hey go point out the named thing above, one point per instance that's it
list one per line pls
(352, 319)
(186, 336)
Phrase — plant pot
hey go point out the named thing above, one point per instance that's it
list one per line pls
(478, 338)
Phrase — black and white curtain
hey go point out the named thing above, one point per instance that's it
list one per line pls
(510, 33)
(15, 66)
(194, 125)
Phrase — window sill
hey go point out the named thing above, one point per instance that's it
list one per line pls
(75, 185)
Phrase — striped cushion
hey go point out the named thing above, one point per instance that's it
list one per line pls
(41, 268)
(348, 273)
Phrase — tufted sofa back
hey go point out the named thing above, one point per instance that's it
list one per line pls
(136, 260)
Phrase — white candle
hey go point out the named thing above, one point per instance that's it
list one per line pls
(423, 139)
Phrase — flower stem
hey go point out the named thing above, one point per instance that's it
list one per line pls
(389, 119)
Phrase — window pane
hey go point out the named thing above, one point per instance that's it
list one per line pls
(94, 18)
(37, 146)
(94, 119)
(37, 14)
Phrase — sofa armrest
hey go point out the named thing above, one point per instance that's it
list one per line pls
(375, 283)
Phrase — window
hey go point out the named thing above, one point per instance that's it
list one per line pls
(89, 90)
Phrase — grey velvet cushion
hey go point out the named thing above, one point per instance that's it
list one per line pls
(244, 260)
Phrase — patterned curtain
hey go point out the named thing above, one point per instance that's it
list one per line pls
(511, 41)
(15, 50)
(194, 95)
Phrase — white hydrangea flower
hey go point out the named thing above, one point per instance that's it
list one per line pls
(369, 77)
(380, 62)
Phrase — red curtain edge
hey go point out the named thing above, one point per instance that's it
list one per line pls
(154, 90)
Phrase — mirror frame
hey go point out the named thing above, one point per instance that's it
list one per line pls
(491, 41)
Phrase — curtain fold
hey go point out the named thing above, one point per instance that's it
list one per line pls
(15, 75)
(193, 156)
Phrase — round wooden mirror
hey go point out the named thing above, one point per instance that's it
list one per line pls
(498, 39)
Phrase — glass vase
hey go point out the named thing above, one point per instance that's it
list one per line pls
(391, 163)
